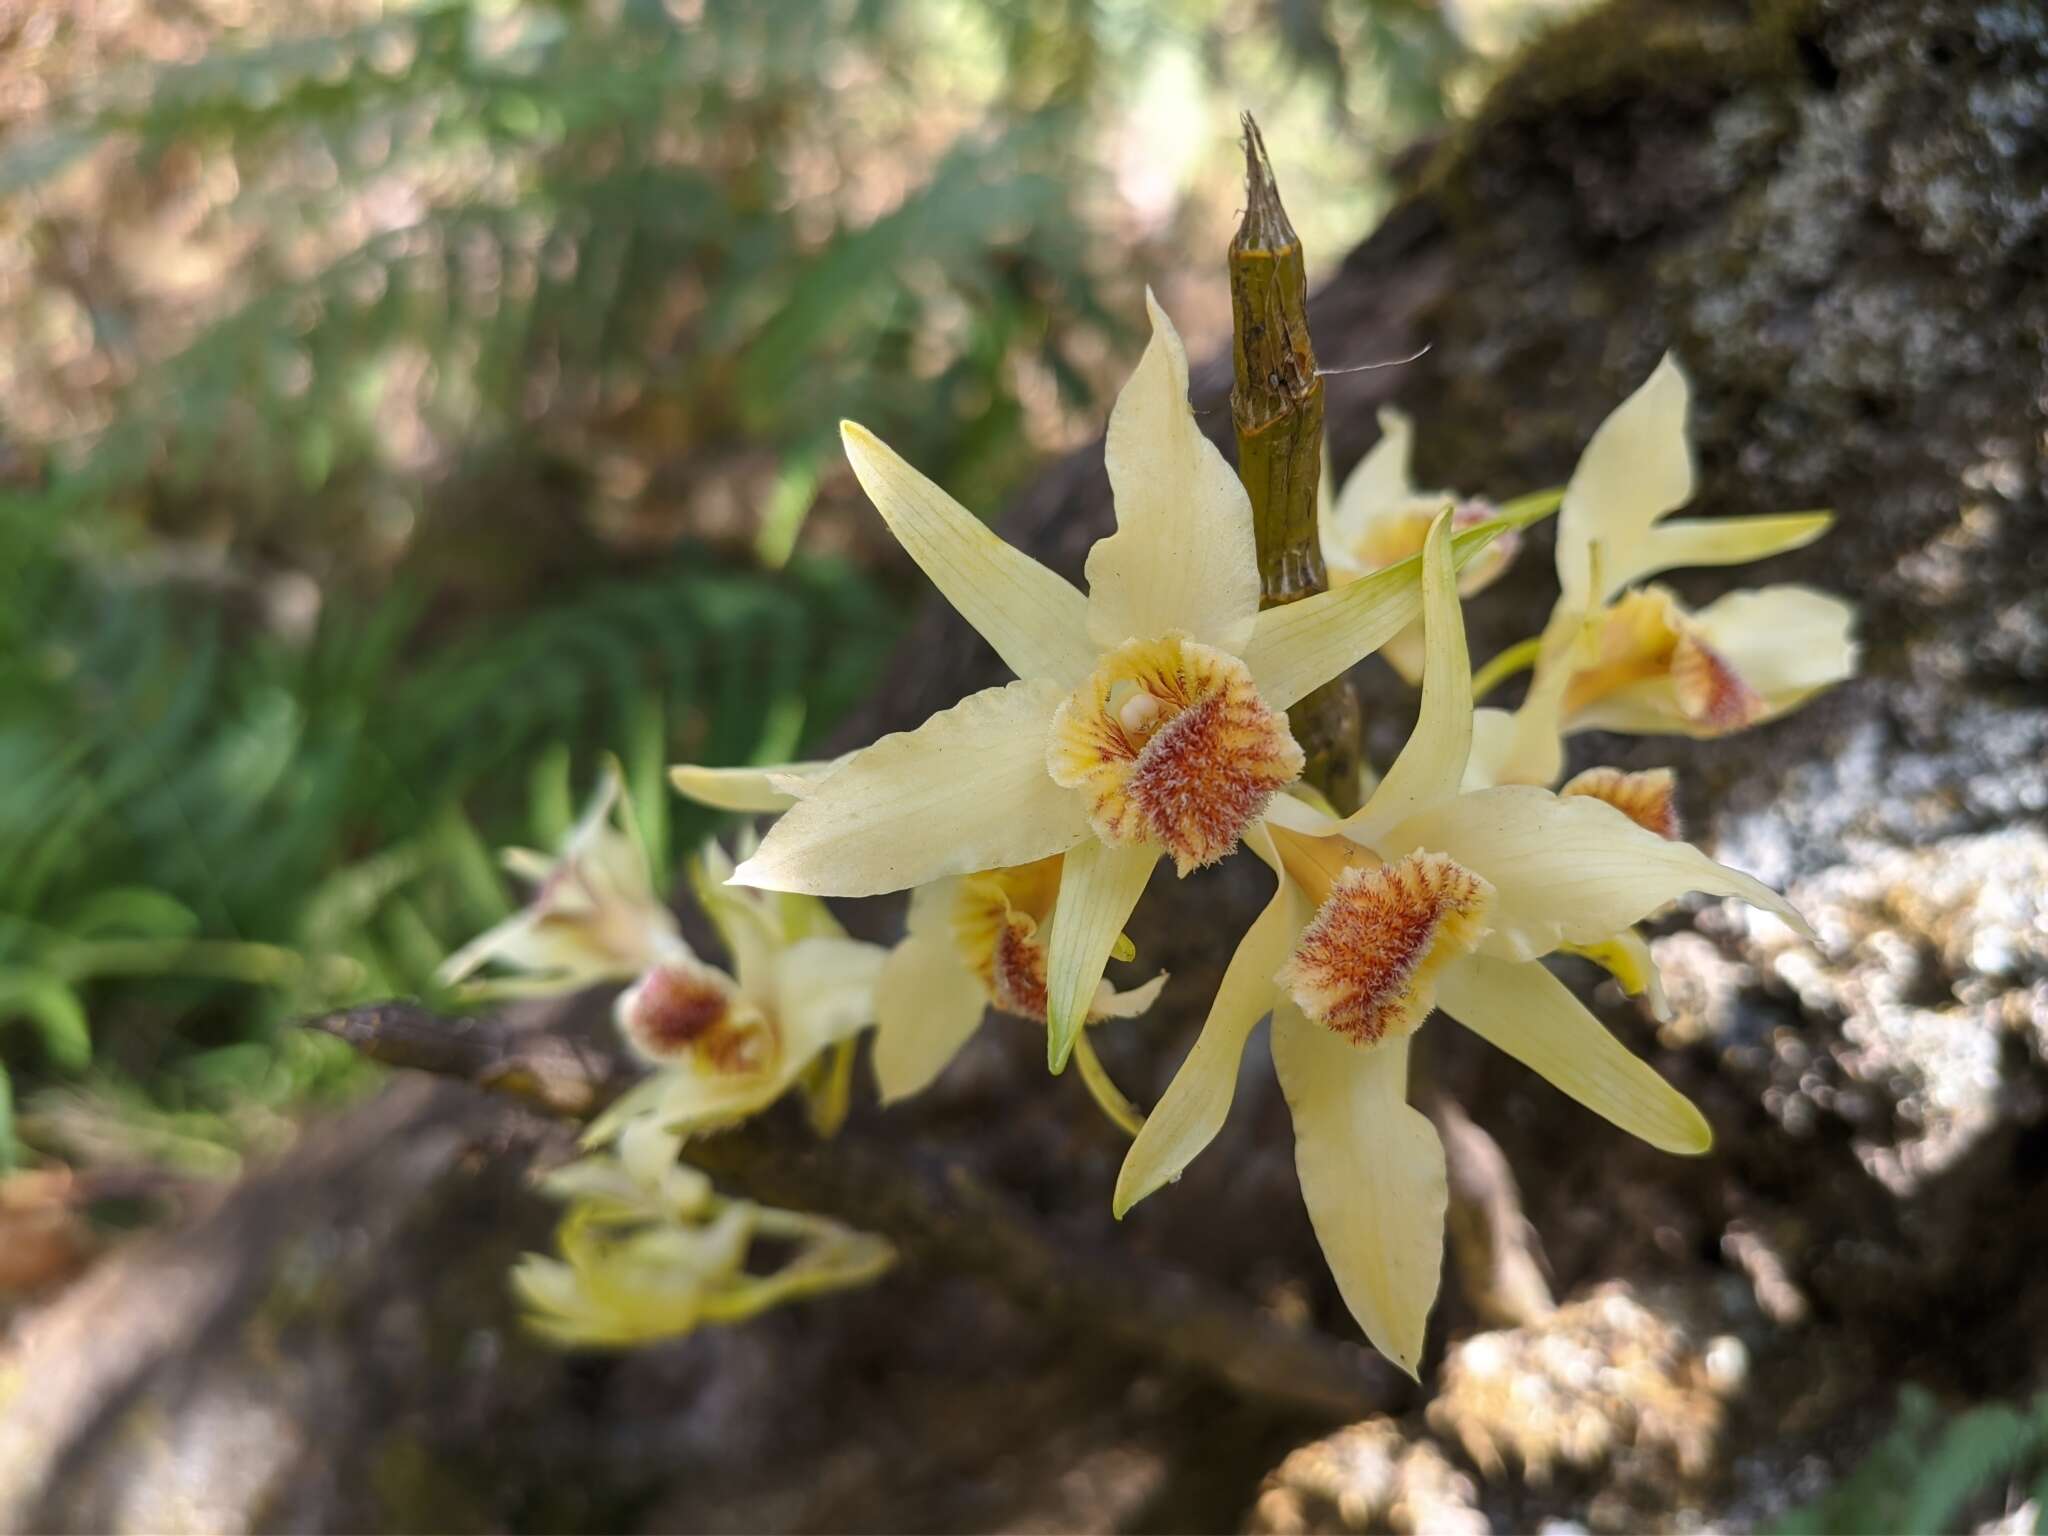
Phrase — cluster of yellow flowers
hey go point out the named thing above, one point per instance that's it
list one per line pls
(1148, 721)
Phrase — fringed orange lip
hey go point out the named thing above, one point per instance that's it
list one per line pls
(1173, 745)
(1649, 798)
(1366, 965)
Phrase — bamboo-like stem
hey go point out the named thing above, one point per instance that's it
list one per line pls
(1276, 406)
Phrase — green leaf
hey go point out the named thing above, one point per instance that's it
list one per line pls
(130, 909)
(55, 1011)
(550, 800)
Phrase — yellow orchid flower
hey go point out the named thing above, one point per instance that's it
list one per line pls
(975, 942)
(594, 916)
(972, 942)
(1380, 518)
(727, 1045)
(650, 1251)
(1429, 896)
(1148, 716)
(1615, 657)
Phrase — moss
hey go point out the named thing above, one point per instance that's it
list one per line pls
(1615, 58)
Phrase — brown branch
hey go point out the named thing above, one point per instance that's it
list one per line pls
(930, 1204)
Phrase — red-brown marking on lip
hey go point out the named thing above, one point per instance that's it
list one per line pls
(1649, 798)
(1208, 771)
(1365, 965)
(674, 1010)
(1709, 688)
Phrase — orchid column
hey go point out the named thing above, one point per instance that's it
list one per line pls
(1276, 405)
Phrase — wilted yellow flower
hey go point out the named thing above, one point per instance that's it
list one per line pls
(727, 1045)
(1380, 518)
(1148, 716)
(650, 1251)
(972, 942)
(1621, 658)
(594, 916)
(1429, 896)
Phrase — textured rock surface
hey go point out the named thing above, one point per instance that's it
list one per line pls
(1838, 214)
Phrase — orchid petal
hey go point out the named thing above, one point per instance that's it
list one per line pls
(1627, 958)
(1534, 749)
(1381, 480)
(1099, 888)
(1289, 810)
(927, 1002)
(1299, 646)
(1197, 1101)
(1698, 541)
(1493, 733)
(1035, 619)
(824, 993)
(1183, 556)
(965, 791)
(1525, 1011)
(1570, 870)
(1637, 468)
(1432, 764)
(1372, 1176)
(744, 789)
(1786, 643)
(685, 1100)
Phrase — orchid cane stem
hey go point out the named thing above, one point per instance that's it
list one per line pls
(1276, 405)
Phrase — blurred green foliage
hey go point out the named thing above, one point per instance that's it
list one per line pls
(1938, 1470)
(403, 400)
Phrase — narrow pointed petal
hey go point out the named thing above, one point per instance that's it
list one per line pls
(965, 791)
(1432, 764)
(757, 790)
(1637, 468)
(1696, 541)
(1298, 647)
(1372, 1176)
(1197, 1101)
(927, 1002)
(1099, 887)
(1035, 619)
(1524, 1010)
(1183, 556)
(1381, 479)
(1571, 870)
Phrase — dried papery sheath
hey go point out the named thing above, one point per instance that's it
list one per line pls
(1276, 409)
